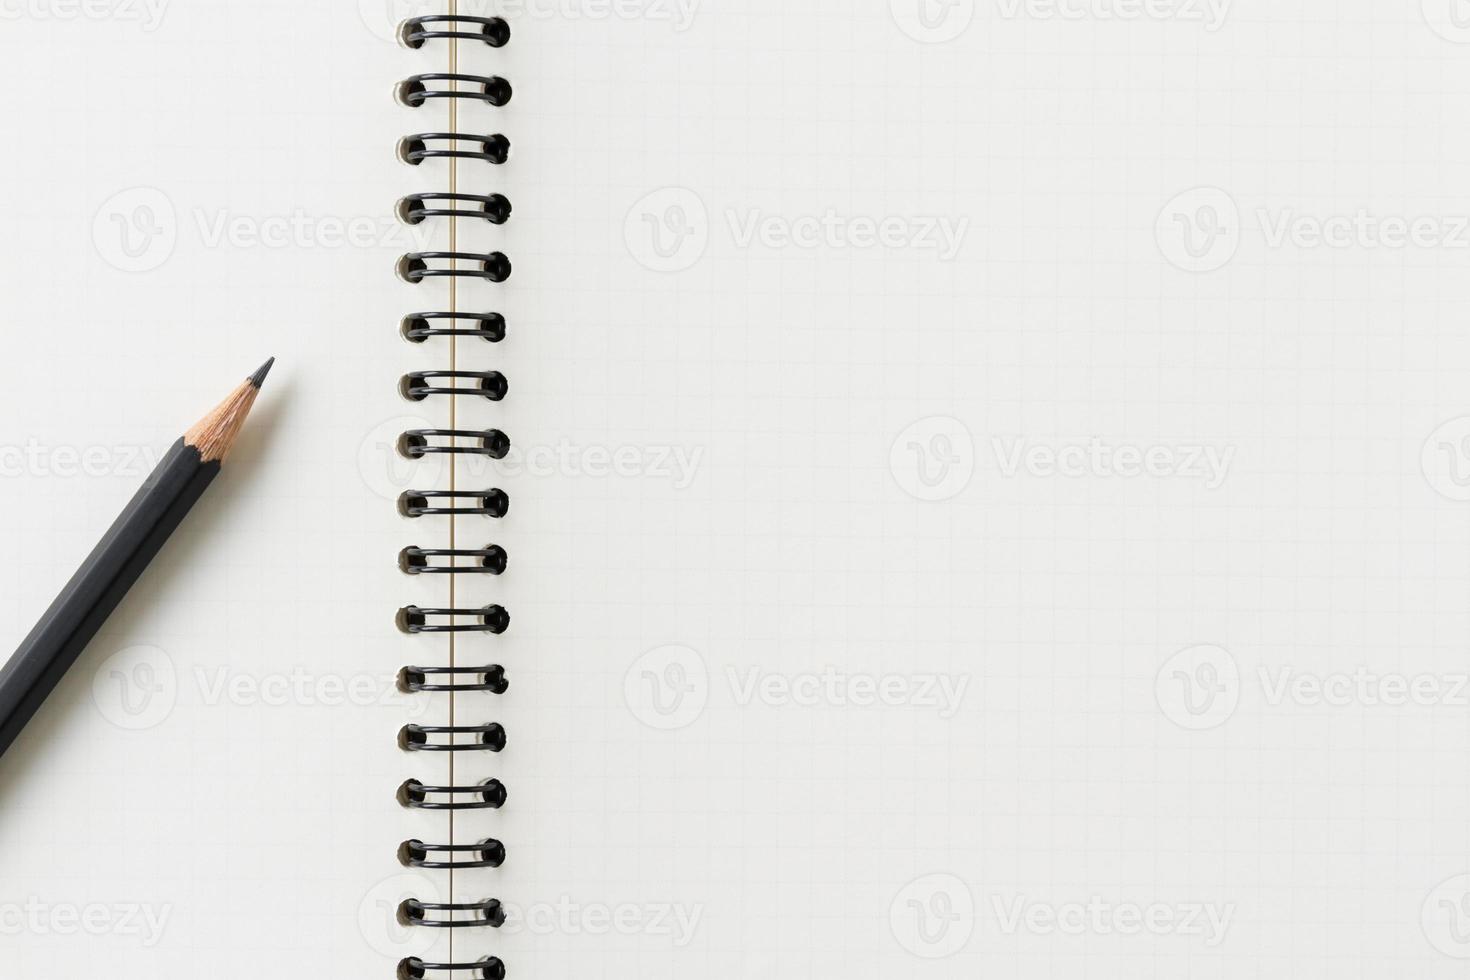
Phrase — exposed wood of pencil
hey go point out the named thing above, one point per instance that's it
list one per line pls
(170, 492)
(215, 434)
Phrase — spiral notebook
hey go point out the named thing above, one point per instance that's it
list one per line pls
(747, 489)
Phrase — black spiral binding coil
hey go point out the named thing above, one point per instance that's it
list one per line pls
(491, 267)
(415, 444)
(415, 560)
(419, 385)
(416, 149)
(490, 968)
(486, 619)
(414, 208)
(486, 503)
(488, 853)
(418, 327)
(491, 678)
(489, 795)
(414, 91)
(494, 208)
(412, 912)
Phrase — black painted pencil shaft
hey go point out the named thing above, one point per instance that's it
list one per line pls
(99, 585)
(115, 564)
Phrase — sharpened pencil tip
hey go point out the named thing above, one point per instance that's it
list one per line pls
(258, 378)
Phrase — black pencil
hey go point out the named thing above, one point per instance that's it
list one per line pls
(179, 480)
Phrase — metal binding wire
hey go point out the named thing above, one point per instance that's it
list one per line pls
(415, 444)
(484, 738)
(492, 267)
(418, 385)
(489, 795)
(415, 149)
(414, 208)
(417, 328)
(480, 914)
(492, 208)
(413, 32)
(414, 90)
(486, 619)
(483, 503)
(490, 560)
(489, 968)
(488, 853)
(491, 678)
